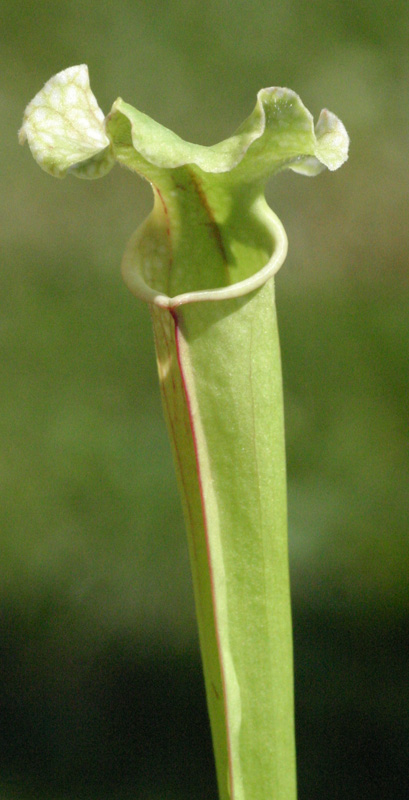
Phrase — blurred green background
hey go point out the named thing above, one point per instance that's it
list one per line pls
(101, 692)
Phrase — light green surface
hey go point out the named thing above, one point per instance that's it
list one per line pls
(205, 260)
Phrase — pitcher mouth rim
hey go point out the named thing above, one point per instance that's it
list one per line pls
(132, 272)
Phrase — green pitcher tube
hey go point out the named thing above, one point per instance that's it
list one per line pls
(204, 260)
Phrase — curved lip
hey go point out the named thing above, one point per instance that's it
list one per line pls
(223, 156)
(133, 277)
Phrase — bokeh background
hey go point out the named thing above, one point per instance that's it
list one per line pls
(101, 691)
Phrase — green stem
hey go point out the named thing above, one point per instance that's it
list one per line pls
(238, 557)
(220, 376)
